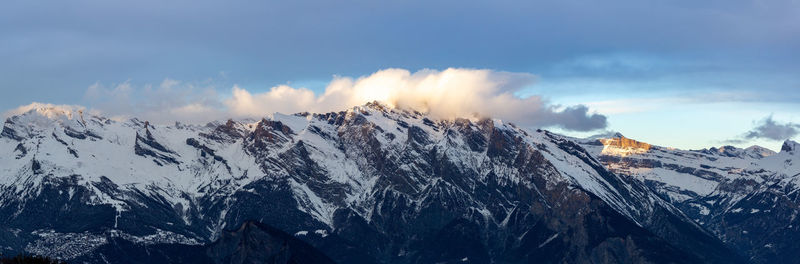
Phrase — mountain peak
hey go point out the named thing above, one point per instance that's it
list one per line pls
(622, 146)
(790, 146)
(31, 119)
(49, 111)
(755, 151)
(606, 135)
(759, 151)
(377, 105)
(383, 107)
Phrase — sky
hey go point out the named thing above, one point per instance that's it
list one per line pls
(686, 74)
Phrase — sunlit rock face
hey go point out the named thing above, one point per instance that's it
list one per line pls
(622, 146)
(746, 197)
(371, 184)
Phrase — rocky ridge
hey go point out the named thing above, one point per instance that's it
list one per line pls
(746, 197)
(371, 184)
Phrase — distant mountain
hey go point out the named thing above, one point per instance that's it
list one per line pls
(746, 197)
(371, 184)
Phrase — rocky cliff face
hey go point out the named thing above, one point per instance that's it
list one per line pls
(367, 185)
(746, 197)
(622, 146)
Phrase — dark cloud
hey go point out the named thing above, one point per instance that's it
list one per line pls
(770, 129)
(576, 118)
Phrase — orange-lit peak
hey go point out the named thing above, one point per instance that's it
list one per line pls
(622, 146)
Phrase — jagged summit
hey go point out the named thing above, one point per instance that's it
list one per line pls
(759, 151)
(29, 114)
(790, 146)
(616, 144)
(622, 146)
(755, 151)
(31, 120)
(38, 115)
(49, 111)
(606, 135)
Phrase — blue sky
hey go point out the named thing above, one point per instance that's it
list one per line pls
(688, 74)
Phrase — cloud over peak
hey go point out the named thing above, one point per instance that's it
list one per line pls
(450, 93)
(443, 94)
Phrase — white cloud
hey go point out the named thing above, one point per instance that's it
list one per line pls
(443, 94)
(280, 98)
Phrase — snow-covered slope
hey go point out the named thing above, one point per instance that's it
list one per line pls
(745, 196)
(371, 174)
(678, 175)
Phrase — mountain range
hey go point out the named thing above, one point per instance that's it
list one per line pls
(746, 197)
(377, 184)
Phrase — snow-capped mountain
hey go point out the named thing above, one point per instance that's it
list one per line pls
(371, 184)
(747, 197)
